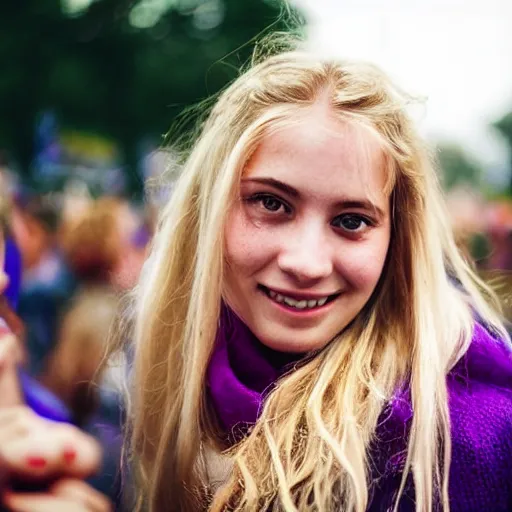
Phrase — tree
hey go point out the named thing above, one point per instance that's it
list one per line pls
(457, 167)
(504, 127)
(122, 68)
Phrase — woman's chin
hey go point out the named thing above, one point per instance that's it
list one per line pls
(291, 343)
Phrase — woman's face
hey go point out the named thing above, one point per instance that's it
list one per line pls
(307, 242)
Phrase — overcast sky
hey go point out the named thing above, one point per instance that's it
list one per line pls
(456, 53)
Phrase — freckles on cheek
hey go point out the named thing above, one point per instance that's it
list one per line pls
(246, 243)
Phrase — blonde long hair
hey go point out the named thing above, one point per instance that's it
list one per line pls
(310, 447)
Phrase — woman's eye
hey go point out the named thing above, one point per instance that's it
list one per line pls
(269, 203)
(351, 222)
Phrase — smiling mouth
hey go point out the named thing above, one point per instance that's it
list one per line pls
(297, 303)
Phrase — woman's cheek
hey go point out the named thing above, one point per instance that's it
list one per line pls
(247, 241)
(361, 266)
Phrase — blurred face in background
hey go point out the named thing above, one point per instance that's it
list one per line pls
(307, 242)
(132, 248)
(98, 242)
(31, 237)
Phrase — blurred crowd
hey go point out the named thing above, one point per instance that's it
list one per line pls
(74, 257)
(483, 228)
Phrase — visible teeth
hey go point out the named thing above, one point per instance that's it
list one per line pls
(294, 303)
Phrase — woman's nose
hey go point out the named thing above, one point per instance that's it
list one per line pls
(305, 255)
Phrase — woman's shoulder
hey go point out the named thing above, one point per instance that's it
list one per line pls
(487, 364)
(480, 401)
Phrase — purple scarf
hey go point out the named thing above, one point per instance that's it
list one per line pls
(242, 371)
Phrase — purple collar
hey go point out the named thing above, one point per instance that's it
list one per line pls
(241, 372)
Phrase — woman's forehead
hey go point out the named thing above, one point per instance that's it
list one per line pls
(322, 156)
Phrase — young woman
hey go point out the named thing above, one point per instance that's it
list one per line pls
(308, 337)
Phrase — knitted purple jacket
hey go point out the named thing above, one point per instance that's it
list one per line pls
(480, 402)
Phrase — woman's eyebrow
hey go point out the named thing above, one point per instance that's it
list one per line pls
(288, 189)
(361, 204)
(342, 204)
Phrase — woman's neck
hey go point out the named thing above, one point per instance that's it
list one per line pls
(241, 371)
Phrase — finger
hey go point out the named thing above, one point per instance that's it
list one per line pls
(10, 389)
(41, 502)
(13, 323)
(10, 356)
(78, 490)
(18, 421)
(4, 281)
(79, 451)
(52, 450)
(11, 414)
(10, 350)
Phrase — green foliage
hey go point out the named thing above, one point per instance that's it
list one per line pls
(457, 167)
(122, 68)
(504, 127)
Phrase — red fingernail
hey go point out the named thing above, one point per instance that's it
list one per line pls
(36, 462)
(69, 455)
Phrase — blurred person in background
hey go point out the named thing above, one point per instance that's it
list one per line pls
(72, 367)
(72, 372)
(42, 463)
(499, 228)
(498, 266)
(307, 334)
(465, 206)
(104, 243)
(47, 284)
(483, 233)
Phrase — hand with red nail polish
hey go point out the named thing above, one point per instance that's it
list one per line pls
(69, 455)
(38, 449)
(36, 462)
(66, 495)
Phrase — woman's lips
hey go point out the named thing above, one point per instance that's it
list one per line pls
(299, 303)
